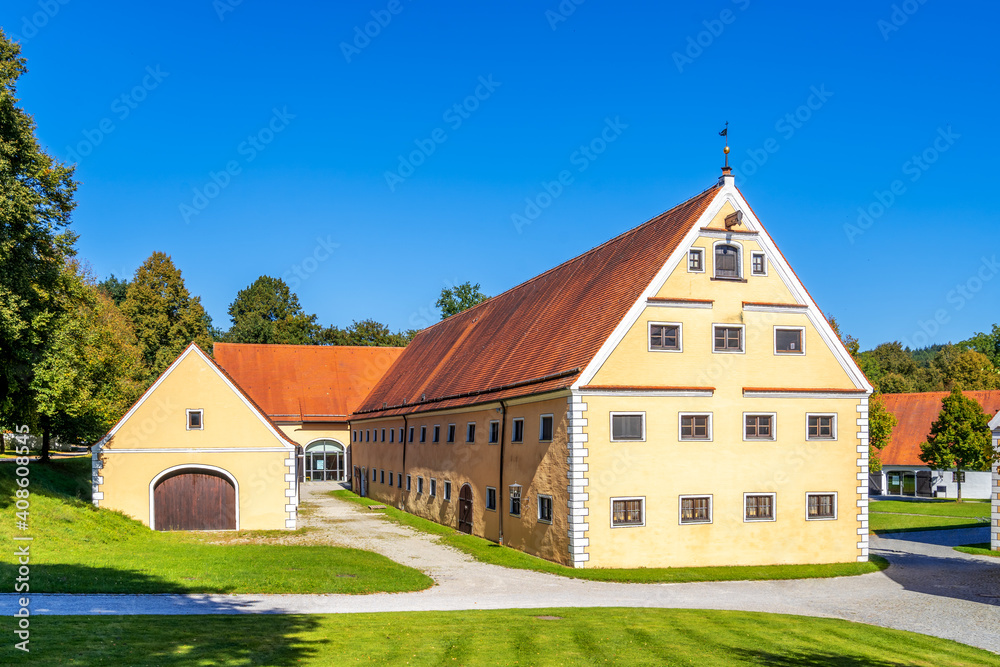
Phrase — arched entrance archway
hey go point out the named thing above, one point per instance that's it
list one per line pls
(325, 461)
(194, 498)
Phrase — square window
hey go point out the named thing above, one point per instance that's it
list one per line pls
(451, 433)
(470, 432)
(628, 426)
(696, 509)
(494, 432)
(821, 506)
(434, 487)
(411, 433)
(696, 427)
(409, 483)
(515, 499)
(758, 264)
(423, 434)
(758, 427)
(696, 260)
(727, 339)
(545, 509)
(517, 434)
(437, 433)
(447, 490)
(420, 484)
(821, 427)
(628, 512)
(758, 507)
(789, 340)
(491, 498)
(664, 337)
(545, 428)
(195, 420)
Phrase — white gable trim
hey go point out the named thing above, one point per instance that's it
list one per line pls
(192, 348)
(728, 193)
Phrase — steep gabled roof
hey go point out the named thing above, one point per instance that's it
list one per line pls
(538, 336)
(916, 413)
(306, 383)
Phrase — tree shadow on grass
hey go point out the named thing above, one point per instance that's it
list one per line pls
(811, 659)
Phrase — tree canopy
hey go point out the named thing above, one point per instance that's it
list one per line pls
(462, 297)
(269, 312)
(959, 438)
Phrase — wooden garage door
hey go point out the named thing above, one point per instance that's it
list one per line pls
(194, 500)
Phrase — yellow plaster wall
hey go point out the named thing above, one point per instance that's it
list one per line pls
(539, 467)
(160, 422)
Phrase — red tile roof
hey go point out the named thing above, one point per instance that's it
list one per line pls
(538, 336)
(306, 383)
(916, 413)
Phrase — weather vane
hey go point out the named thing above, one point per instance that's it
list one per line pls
(725, 133)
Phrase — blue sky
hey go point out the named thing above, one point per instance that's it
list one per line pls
(252, 138)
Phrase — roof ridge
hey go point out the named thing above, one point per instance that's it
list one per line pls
(579, 257)
(313, 346)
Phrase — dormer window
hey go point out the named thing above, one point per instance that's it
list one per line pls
(196, 420)
(727, 261)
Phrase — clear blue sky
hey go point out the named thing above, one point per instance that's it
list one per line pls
(315, 186)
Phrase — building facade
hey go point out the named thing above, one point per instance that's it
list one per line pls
(995, 513)
(673, 397)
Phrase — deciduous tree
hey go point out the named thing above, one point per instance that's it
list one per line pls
(880, 425)
(959, 438)
(268, 312)
(454, 300)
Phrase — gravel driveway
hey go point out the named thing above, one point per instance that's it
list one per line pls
(929, 588)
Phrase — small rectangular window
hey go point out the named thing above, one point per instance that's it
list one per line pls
(401, 439)
(381, 477)
(958, 476)
(545, 428)
(758, 507)
(420, 484)
(451, 433)
(758, 264)
(392, 435)
(399, 481)
(758, 427)
(628, 512)
(696, 427)
(374, 475)
(664, 337)
(411, 433)
(390, 479)
(728, 339)
(696, 509)
(434, 487)
(517, 430)
(515, 499)
(437, 433)
(409, 483)
(368, 435)
(628, 426)
(789, 340)
(821, 506)
(545, 509)
(383, 435)
(491, 498)
(423, 434)
(447, 490)
(195, 420)
(470, 432)
(494, 432)
(821, 427)
(696, 260)
(354, 435)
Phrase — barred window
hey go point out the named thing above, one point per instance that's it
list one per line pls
(759, 507)
(628, 511)
(696, 509)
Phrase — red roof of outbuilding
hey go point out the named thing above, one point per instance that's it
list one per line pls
(916, 413)
(538, 336)
(306, 383)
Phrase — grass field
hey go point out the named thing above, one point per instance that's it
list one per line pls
(78, 548)
(981, 549)
(899, 516)
(490, 552)
(560, 637)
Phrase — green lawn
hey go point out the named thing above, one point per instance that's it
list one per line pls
(981, 549)
(558, 637)
(490, 552)
(78, 548)
(899, 516)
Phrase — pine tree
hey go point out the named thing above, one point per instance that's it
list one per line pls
(959, 438)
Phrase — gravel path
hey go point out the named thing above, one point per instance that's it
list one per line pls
(929, 588)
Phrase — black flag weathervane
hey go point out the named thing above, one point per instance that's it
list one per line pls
(725, 133)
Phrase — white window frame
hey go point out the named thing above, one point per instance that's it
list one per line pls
(802, 341)
(447, 490)
(449, 435)
(383, 435)
(474, 429)
(611, 426)
(513, 429)
(695, 414)
(423, 433)
(729, 325)
(381, 476)
(510, 497)
(700, 251)
(739, 259)
(437, 433)
(711, 509)
(627, 525)
(420, 484)
(402, 435)
(774, 507)
(538, 510)
(392, 482)
(409, 483)
(833, 427)
(496, 499)
(774, 427)
(392, 435)
(649, 336)
(758, 253)
(433, 487)
(201, 415)
(836, 506)
(489, 435)
(399, 481)
(541, 418)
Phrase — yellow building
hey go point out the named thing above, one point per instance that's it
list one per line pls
(673, 397)
(995, 512)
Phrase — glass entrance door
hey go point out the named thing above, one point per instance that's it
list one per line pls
(324, 462)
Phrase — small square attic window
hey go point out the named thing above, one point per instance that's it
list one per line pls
(195, 420)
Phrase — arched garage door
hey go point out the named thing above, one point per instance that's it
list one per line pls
(194, 499)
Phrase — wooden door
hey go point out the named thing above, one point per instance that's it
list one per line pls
(465, 509)
(194, 500)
